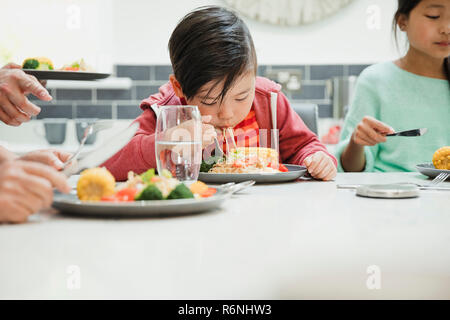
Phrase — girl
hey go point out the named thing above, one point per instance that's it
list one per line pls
(412, 92)
(214, 63)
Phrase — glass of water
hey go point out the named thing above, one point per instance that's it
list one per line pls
(178, 142)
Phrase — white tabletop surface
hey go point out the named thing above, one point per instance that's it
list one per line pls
(299, 240)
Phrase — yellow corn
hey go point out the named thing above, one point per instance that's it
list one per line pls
(441, 158)
(94, 184)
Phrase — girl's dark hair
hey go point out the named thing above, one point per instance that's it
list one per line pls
(211, 44)
(404, 8)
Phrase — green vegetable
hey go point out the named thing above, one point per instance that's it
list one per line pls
(166, 174)
(151, 192)
(209, 163)
(148, 175)
(45, 66)
(180, 192)
(30, 64)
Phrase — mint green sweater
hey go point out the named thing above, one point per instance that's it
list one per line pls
(404, 101)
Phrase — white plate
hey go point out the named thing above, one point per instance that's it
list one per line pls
(429, 170)
(69, 203)
(294, 173)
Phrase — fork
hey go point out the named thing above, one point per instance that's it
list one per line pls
(439, 179)
(218, 148)
(95, 127)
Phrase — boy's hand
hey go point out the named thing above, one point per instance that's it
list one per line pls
(320, 166)
(370, 132)
(188, 130)
(208, 130)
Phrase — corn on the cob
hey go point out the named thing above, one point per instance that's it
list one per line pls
(441, 158)
(94, 184)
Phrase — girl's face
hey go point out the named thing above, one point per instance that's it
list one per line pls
(428, 28)
(233, 108)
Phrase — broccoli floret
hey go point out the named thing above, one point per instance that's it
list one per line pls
(151, 192)
(209, 163)
(30, 64)
(180, 192)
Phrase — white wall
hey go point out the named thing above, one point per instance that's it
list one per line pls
(137, 32)
(54, 28)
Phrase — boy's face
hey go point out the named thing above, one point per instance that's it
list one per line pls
(428, 28)
(233, 108)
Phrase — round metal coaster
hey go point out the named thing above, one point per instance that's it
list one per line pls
(388, 191)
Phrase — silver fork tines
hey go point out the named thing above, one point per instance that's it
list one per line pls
(439, 179)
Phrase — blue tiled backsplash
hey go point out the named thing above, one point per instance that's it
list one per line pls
(146, 79)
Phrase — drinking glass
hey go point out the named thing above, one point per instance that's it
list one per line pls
(178, 142)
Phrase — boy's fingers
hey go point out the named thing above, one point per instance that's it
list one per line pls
(329, 175)
(326, 171)
(317, 163)
(307, 161)
(206, 119)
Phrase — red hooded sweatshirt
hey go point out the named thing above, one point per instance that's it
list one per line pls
(296, 141)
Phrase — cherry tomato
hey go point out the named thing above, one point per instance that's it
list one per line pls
(238, 164)
(124, 195)
(208, 193)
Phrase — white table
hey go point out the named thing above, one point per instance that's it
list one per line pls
(290, 241)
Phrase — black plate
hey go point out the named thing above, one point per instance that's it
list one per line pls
(65, 75)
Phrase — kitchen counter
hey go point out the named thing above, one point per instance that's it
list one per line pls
(299, 240)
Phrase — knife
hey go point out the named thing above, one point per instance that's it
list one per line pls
(104, 152)
(409, 133)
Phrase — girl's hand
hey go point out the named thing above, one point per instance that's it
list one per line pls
(52, 158)
(370, 132)
(321, 166)
(27, 187)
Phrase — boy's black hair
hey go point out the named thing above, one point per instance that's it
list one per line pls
(404, 8)
(211, 44)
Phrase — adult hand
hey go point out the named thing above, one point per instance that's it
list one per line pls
(15, 108)
(13, 65)
(53, 158)
(370, 132)
(321, 166)
(26, 187)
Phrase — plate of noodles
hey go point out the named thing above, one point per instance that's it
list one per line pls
(242, 164)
